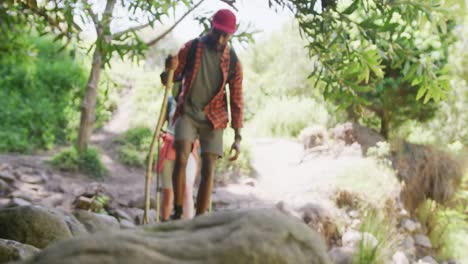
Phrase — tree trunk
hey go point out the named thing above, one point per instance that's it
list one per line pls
(384, 125)
(88, 106)
(351, 113)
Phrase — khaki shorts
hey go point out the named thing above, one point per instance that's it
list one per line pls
(190, 172)
(211, 140)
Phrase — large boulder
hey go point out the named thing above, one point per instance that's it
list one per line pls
(38, 226)
(250, 236)
(352, 133)
(12, 250)
(313, 136)
(96, 222)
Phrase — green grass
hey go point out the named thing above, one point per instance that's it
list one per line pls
(134, 146)
(382, 228)
(286, 117)
(448, 226)
(88, 163)
(242, 167)
(371, 179)
(146, 95)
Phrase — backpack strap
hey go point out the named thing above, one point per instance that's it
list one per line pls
(232, 63)
(190, 63)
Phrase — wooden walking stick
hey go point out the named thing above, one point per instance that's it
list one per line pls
(149, 166)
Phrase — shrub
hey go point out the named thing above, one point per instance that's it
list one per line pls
(41, 92)
(38, 96)
(134, 146)
(375, 182)
(447, 226)
(288, 116)
(88, 163)
(426, 172)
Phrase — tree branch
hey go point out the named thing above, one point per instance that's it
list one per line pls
(42, 13)
(165, 33)
(93, 16)
(123, 32)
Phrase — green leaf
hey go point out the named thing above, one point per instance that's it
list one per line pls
(351, 8)
(421, 92)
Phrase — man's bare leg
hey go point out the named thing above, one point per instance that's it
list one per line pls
(183, 148)
(166, 201)
(206, 184)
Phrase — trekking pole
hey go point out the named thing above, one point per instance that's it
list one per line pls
(158, 191)
(149, 166)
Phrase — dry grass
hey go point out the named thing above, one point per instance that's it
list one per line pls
(320, 220)
(344, 198)
(427, 173)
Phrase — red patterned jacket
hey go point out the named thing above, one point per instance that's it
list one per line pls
(216, 109)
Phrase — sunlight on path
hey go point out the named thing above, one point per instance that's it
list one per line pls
(281, 176)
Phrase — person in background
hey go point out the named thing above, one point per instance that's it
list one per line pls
(165, 167)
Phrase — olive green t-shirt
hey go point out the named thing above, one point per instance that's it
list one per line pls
(205, 85)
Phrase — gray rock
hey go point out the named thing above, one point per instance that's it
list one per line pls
(38, 226)
(355, 224)
(427, 260)
(135, 214)
(22, 195)
(400, 258)
(4, 188)
(33, 179)
(4, 202)
(11, 250)
(251, 236)
(410, 225)
(14, 202)
(422, 240)
(408, 242)
(53, 200)
(452, 261)
(341, 255)
(288, 210)
(139, 202)
(7, 176)
(408, 246)
(353, 214)
(96, 222)
(121, 214)
(125, 224)
(138, 215)
(352, 239)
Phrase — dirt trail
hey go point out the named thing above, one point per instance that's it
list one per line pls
(282, 177)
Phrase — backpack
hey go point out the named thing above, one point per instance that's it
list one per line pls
(191, 63)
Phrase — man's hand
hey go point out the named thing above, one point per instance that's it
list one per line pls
(172, 62)
(236, 148)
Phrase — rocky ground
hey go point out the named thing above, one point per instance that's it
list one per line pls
(299, 184)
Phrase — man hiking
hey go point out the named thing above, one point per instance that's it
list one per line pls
(165, 166)
(205, 65)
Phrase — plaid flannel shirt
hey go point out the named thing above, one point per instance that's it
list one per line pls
(216, 109)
